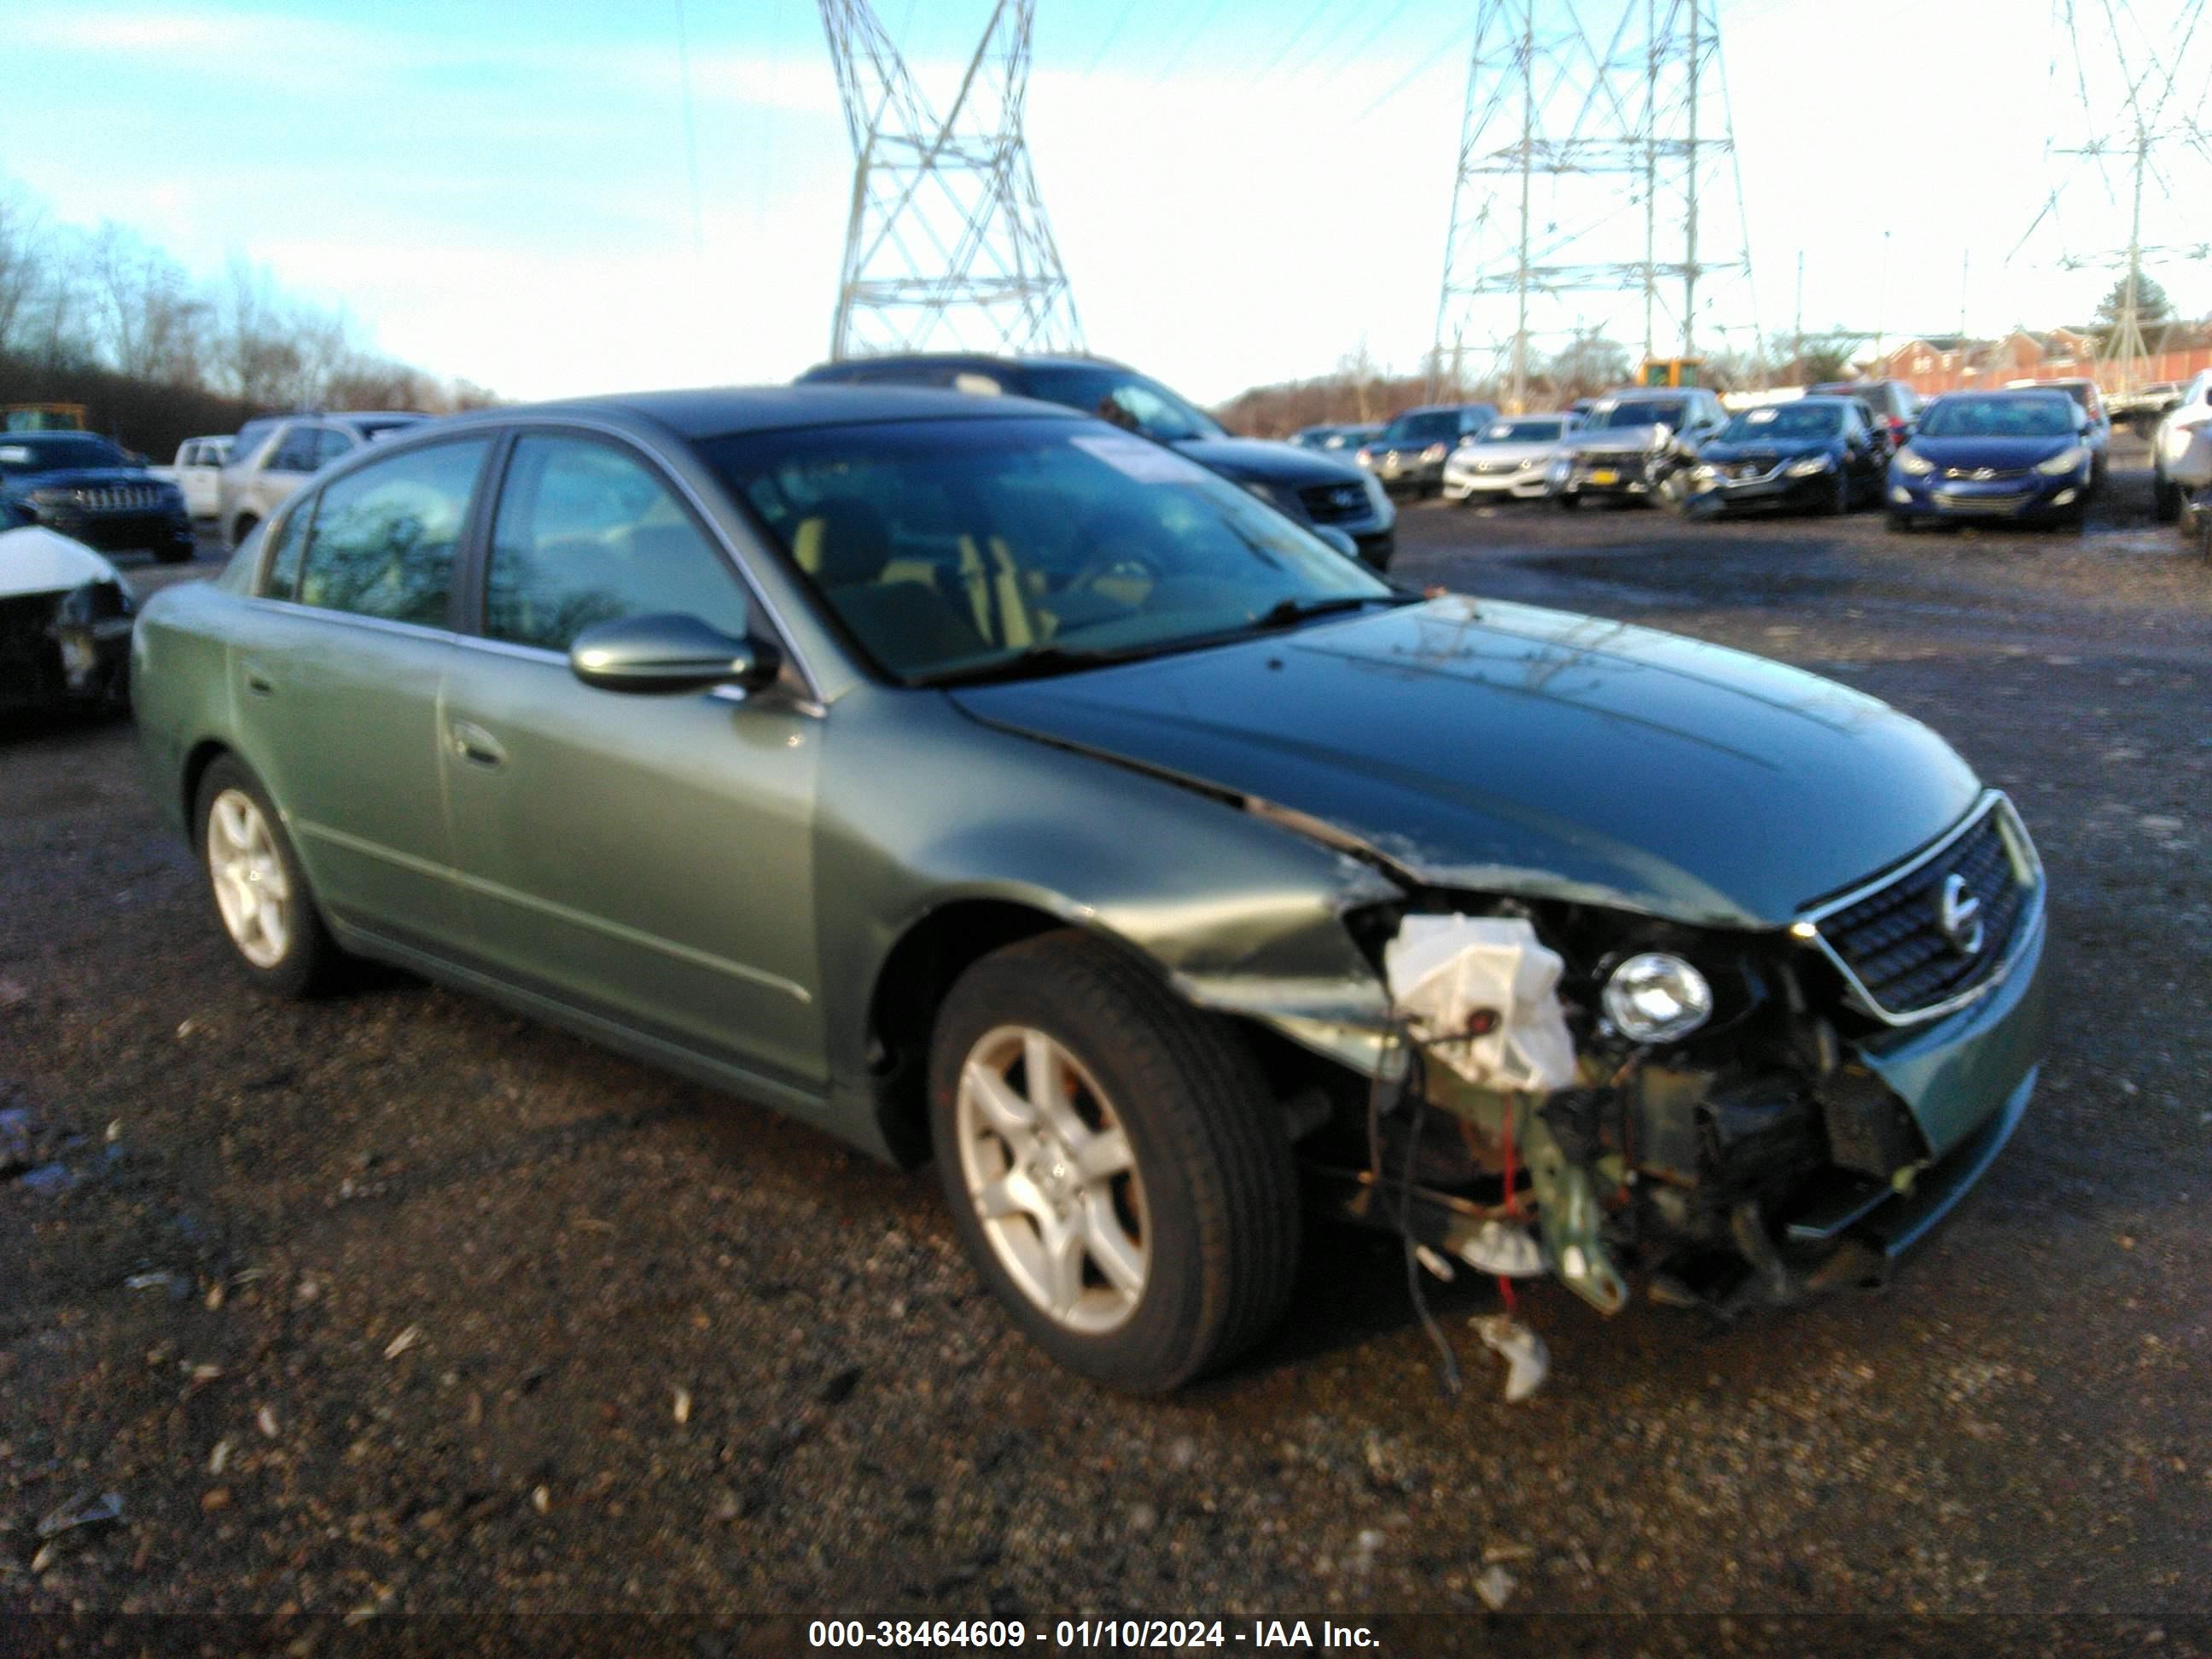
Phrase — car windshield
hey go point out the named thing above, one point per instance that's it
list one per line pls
(1422, 429)
(961, 549)
(1668, 414)
(20, 454)
(383, 426)
(1116, 395)
(1535, 431)
(2033, 414)
(1786, 420)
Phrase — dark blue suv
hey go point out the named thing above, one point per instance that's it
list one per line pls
(79, 485)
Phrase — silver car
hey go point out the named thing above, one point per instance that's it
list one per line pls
(1507, 458)
(272, 459)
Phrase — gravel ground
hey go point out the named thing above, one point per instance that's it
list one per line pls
(397, 1302)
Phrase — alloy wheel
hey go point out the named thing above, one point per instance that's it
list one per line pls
(252, 889)
(1049, 1168)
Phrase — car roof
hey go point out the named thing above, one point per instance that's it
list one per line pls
(2042, 389)
(724, 412)
(985, 360)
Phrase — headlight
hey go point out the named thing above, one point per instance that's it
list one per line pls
(1704, 474)
(1266, 493)
(1913, 464)
(50, 497)
(2065, 461)
(1657, 998)
(1364, 459)
(1435, 453)
(1811, 465)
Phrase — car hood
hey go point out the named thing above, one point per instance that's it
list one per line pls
(1781, 448)
(82, 477)
(36, 560)
(1531, 450)
(1994, 452)
(1505, 749)
(1268, 463)
(1621, 440)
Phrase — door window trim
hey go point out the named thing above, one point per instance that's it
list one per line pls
(470, 577)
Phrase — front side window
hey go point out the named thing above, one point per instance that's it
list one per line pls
(294, 452)
(955, 549)
(585, 534)
(382, 541)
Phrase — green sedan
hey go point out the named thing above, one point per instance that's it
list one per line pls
(979, 781)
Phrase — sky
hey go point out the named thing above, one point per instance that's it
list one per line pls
(1242, 190)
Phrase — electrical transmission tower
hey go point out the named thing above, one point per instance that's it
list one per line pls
(947, 245)
(1595, 142)
(2142, 84)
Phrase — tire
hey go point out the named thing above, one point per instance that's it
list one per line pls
(1839, 499)
(174, 555)
(241, 530)
(1569, 503)
(1207, 1205)
(2165, 500)
(1897, 524)
(305, 960)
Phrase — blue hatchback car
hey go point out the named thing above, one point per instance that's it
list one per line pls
(2004, 455)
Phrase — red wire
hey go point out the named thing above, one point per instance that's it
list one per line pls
(1512, 1207)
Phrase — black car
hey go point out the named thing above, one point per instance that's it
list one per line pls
(83, 487)
(1816, 454)
(1314, 489)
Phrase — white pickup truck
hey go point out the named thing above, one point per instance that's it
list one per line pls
(199, 466)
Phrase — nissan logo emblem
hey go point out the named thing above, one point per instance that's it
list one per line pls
(1959, 915)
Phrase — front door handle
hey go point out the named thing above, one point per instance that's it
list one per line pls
(475, 745)
(258, 682)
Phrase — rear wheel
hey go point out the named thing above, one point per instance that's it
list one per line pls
(2165, 500)
(260, 893)
(1113, 1164)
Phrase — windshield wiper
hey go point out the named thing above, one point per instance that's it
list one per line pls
(1038, 660)
(1284, 612)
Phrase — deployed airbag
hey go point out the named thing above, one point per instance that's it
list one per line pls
(1481, 994)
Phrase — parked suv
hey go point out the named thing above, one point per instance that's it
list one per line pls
(1895, 405)
(1411, 453)
(1632, 441)
(79, 485)
(273, 457)
(1318, 490)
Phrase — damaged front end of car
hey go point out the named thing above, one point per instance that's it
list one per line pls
(1535, 1083)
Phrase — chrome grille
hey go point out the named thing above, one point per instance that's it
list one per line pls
(1893, 942)
(117, 498)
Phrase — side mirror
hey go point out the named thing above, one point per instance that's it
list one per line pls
(1337, 540)
(668, 653)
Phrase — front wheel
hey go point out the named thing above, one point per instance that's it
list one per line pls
(1113, 1163)
(1568, 503)
(260, 893)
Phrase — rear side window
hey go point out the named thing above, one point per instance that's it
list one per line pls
(383, 537)
(587, 533)
(330, 444)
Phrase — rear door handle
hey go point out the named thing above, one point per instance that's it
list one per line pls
(260, 683)
(475, 745)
